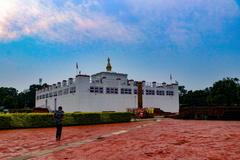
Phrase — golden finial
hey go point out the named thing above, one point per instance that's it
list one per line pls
(109, 67)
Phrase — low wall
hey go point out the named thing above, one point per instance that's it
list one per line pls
(210, 112)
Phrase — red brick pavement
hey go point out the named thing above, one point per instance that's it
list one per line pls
(14, 143)
(166, 139)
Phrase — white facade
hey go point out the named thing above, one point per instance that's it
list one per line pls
(106, 91)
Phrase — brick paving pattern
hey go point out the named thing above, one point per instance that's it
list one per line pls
(166, 139)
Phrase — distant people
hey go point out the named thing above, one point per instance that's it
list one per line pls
(58, 116)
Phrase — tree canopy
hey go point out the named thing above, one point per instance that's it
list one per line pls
(224, 92)
(11, 99)
(8, 97)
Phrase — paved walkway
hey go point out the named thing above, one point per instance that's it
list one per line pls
(161, 139)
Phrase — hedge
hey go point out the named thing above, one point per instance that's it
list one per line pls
(36, 120)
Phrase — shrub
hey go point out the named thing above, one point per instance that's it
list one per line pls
(19, 120)
(41, 120)
(114, 117)
(87, 118)
(34, 120)
(23, 110)
(31, 120)
(5, 120)
(69, 120)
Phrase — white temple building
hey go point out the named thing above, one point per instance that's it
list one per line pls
(106, 91)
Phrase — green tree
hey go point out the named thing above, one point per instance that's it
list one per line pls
(224, 92)
(195, 98)
(10, 101)
(182, 90)
(21, 100)
(31, 94)
(8, 97)
(238, 102)
(182, 93)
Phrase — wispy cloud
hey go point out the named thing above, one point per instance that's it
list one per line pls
(183, 22)
(65, 22)
(176, 22)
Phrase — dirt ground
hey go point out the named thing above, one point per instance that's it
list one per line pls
(165, 139)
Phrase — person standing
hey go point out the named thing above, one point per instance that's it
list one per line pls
(58, 116)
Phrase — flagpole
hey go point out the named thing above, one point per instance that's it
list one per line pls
(171, 78)
(76, 68)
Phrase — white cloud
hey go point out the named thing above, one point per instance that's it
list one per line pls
(65, 22)
(178, 22)
(183, 22)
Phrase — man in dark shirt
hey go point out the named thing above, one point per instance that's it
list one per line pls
(58, 116)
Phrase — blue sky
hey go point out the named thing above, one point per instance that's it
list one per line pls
(197, 41)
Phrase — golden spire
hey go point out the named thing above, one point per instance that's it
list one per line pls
(109, 67)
